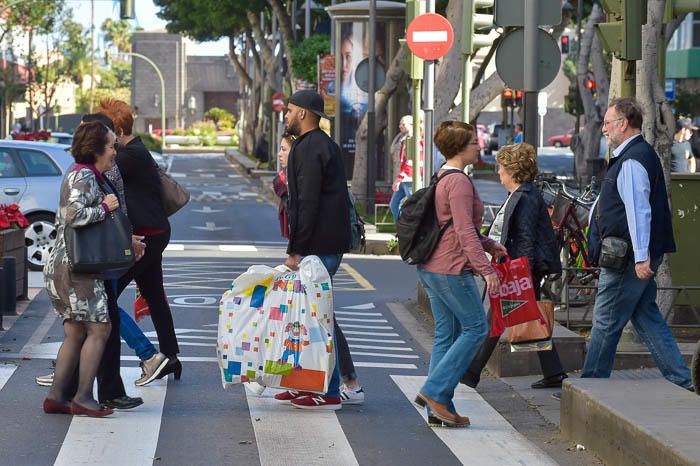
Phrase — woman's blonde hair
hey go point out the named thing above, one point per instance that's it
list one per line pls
(519, 160)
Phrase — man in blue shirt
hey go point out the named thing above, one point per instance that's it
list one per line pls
(632, 206)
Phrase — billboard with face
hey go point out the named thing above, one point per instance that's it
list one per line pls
(354, 49)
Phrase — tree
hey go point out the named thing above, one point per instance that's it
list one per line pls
(117, 34)
(75, 49)
(12, 87)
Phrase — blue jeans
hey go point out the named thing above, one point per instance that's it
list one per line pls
(332, 262)
(460, 329)
(623, 297)
(132, 334)
(134, 337)
(405, 190)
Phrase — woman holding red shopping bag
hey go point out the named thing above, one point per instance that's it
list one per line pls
(448, 277)
(523, 226)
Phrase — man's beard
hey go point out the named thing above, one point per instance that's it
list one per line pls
(293, 128)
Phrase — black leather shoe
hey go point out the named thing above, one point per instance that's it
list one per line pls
(550, 382)
(123, 402)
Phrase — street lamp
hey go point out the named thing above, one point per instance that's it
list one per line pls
(162, 95)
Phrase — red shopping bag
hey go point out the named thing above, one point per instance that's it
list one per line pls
(515, 302)
(141, 308)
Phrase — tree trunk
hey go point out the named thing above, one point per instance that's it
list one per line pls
(30, 78)
(394, 76)
(448, 72)
(236, 62)
(586, 145)
(659, 123)
(285, 26)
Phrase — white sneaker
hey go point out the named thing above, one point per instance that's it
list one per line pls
(255, 388)
(45, 380)
(349, 396)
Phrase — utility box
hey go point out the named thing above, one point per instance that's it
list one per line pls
(685, 201)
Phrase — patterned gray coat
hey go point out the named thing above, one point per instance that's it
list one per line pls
(79, 297)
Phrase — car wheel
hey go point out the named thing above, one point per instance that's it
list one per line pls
(39, 238)
(557, 144)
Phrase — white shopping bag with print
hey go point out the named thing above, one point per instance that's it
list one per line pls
(276, 328)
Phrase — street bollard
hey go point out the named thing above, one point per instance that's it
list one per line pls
(25, 288)
(9, 285)
(2, 295)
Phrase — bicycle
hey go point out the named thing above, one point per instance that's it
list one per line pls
(569, 213)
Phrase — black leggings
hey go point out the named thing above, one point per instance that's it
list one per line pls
(148, 273)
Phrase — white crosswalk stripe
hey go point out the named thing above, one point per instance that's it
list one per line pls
(6, 371)
(490, 440)
(133, 434)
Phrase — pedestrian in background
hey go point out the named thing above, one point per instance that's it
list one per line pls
(142, 189)
(682, 158)
(279, 184)
(319, 224)
(524, 227)
(403, 184)
(448, 276)
(632, 207)
(80, 299)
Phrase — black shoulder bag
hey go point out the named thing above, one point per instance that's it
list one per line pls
(614, 251)
(101, 247)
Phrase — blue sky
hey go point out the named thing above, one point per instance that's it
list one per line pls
(145, 17)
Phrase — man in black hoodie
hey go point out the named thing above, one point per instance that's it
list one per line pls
(318, 209)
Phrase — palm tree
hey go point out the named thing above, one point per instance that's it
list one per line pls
(117, 34)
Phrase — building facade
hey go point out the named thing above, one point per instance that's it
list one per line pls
(193, 84)
(683, 54)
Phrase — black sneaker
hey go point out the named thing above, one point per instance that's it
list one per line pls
(550, 382)
(123, 402)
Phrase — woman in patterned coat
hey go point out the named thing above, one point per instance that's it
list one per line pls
(80, 299)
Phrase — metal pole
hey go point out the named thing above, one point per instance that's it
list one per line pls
(466, 87)
(531, 59)
(162, 95)
(333, 2)
(294, 22)
(415, 137)
(307, 19)
(371, 117)
(92, 54)
(429, 110)
(579, 24)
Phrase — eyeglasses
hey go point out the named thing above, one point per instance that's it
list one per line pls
(607, 122)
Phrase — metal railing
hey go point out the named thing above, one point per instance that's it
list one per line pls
(585, 322)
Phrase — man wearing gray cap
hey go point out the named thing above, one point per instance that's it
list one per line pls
(682, 159)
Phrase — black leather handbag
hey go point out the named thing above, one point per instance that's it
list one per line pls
(101, 247)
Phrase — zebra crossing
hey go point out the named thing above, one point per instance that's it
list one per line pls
(258, 426)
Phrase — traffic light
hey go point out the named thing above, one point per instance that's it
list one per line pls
(622, 33)
(564, 44)
(518, 98)
(507, 97)
(590, 85)
(477, 25)
(126, 9)
(413, 65)
(572, 102)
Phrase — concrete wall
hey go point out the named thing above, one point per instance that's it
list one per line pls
(168, 51)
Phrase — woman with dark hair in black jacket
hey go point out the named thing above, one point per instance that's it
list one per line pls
(149, 219)
(524, 227)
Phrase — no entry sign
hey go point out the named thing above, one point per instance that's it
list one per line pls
(278, 101)
(430, 36)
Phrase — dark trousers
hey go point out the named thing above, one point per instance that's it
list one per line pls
(549, 360)
(148, 273)
(347, 368)
(109, 380)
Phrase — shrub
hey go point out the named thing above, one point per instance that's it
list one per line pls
(179, 132)
(305, 55)
(150, 141)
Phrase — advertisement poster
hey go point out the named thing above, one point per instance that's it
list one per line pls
(326, 82)
(354, 48)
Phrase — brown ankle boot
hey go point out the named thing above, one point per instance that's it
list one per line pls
(441, 412)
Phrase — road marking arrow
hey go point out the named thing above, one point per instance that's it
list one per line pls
(207, 210)
(211, 226)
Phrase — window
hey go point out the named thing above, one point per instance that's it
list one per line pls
(8, 168)
(37, 163)
(696, 29)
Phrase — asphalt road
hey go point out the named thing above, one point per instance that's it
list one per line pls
(225, 229)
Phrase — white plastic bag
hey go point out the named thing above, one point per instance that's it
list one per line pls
(276, 328)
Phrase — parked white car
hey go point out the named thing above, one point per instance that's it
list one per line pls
(30, 175)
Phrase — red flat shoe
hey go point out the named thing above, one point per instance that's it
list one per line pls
(56, 407)
(78, 410)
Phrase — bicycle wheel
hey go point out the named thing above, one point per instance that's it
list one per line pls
(695, 369)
